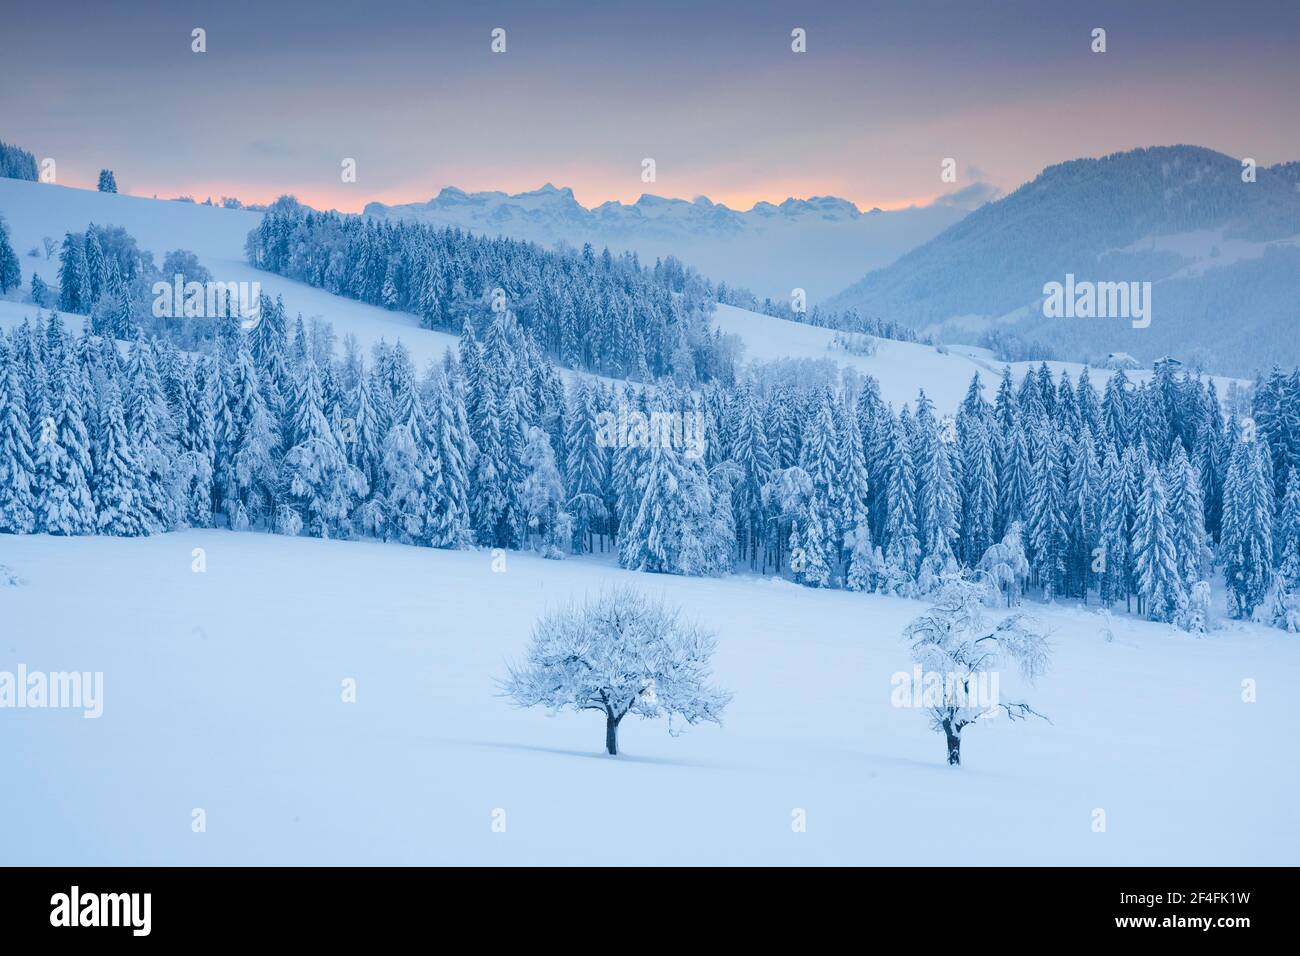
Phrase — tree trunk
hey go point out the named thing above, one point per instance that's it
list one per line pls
(611, 734)
(954, 745)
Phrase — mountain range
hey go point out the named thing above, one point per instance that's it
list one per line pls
(1222, 254)
(819, 244)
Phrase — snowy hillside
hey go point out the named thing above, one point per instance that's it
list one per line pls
(901, 368)
(1221, 253)
(217, 236)
(819, 244)
(222, 692)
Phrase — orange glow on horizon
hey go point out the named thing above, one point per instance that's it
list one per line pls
(349, 199)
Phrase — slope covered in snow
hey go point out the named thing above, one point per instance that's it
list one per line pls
(901, 368)
(1221, 252)
(217, 236)
(222, 692)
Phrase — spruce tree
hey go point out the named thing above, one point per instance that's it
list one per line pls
(585, 470)
(1113, 535)
(450, 526)
(1045, 525)
(149, 425)
(1187, 517)
(11, 275)
(250, 474)
(1082, 524)
(855, 541)
(17, 470)
(119, 505)
(1247, 537)
(1286, 535)
(902, 550)
(1159, 583)
(979, 502)
(64, 502)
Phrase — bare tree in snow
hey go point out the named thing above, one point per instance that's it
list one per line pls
(619, 653)
(957, 651)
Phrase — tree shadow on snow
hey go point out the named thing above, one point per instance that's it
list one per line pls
(588, 754)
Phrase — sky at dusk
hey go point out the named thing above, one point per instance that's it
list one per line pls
(711, 91)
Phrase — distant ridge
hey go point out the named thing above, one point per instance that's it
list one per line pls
(818, 244)
(1223, 256)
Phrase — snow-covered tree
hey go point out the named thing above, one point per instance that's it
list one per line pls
(250, 474)
(1004, 565)
(902, 550)
(448, 436)
(17, 471)
(956, 649)
(542, 498)
(1113, 555)
(319, 485)
(1247, 537)
(74, 291)
(1286, 534)
(406, 497)
(938, 503)
(1160, 584)
(493, 502)
(1186, 516)
(619, 653)
(751, 453)
(149, 425)
(118, 484)
(1045, 518)
(41, 296)
(196, 437)
(62, 463)
(675, 528)
(585, 469)
(11, 275)
(107, 181)
(978, 485)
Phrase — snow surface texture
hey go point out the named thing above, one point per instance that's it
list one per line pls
(222, 691)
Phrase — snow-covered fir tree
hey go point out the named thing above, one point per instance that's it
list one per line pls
(1246, 545)
(1160, 587)
(17, 471)
(549, 527)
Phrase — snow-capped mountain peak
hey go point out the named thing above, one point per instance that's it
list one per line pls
(819, 244)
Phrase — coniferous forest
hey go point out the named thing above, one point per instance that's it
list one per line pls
(1132, 495)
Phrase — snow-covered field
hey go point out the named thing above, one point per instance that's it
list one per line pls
(222, 691)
